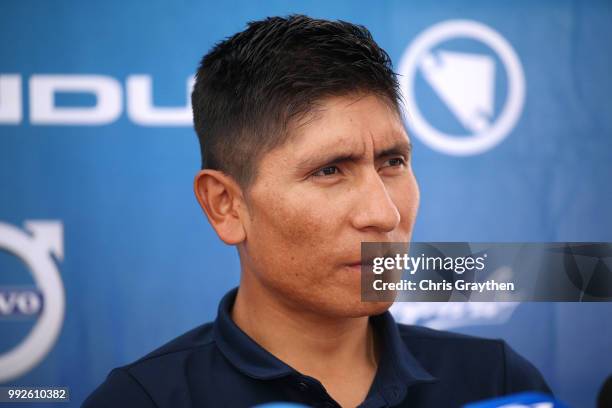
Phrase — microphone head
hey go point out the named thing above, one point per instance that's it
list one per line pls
(522, 400)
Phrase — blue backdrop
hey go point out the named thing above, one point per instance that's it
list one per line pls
(106, 254)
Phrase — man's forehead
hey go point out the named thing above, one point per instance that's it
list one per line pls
(354, 144)
(339, 124)
(367, 143)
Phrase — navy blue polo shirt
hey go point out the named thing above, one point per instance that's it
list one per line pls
(218, 365)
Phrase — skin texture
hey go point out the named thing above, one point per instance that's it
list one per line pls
(343, 177)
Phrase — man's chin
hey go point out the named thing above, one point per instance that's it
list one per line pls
(361, 309)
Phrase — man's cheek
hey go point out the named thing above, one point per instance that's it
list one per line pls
(304, 228)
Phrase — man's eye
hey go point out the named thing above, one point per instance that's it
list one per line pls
(326, 171)
(396, 161)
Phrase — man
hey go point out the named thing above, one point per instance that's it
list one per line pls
(304, 156)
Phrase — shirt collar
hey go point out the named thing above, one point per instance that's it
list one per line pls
(397, 369)
(242, 351)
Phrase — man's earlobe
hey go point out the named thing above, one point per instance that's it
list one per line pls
(221, 198)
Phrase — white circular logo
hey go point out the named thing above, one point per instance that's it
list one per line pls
(35, 251)
(465, 82)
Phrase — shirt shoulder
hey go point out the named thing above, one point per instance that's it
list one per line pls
(446, 354)
(139, 384)
(194, 339)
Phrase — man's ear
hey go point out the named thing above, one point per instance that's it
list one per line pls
(221, 199)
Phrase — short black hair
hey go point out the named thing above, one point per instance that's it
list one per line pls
(251, 86)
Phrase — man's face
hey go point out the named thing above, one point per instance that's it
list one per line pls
(342, 178)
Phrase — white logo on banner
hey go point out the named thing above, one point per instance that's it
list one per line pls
(465, 82)
(35, 251)
(107, 109)
(444, 316)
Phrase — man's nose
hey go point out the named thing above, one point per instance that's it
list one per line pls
(374, 208)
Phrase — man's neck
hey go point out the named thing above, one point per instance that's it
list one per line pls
(333, 350)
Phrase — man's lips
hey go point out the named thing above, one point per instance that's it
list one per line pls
(365, 262)
(368, 261)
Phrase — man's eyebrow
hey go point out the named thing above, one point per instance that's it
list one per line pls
(326, 158)
(401, 148)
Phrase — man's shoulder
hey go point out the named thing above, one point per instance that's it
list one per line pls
(138, 384)
(432, 346)
(444, 352)
(194, 340)
(420, 335)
